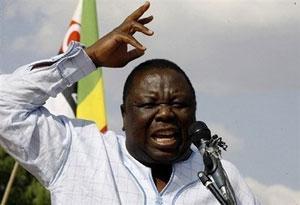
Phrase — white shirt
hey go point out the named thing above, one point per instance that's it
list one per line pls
(77, 163)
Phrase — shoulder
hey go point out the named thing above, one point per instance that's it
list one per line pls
(230, 168)
(234, 174)
(88, 131)
(242, 191)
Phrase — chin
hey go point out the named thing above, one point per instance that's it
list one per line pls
(167, 157)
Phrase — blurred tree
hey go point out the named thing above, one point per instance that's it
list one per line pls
(26, 189)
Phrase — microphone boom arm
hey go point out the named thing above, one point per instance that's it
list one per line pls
(214, 168)
(214, 176)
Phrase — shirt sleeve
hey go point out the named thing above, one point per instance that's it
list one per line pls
(38, 140)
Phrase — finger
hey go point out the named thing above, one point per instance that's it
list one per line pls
(141, 28)
(139, 12)
(133, 54)
(145, 20)
(132, 41)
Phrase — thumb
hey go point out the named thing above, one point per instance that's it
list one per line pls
(133, 54)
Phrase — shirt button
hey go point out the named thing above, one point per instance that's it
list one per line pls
(159, 201)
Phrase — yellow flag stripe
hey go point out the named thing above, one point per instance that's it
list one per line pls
(95, 99)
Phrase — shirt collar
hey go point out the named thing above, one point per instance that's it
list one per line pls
(184, 172)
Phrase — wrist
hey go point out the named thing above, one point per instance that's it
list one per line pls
(91, 54)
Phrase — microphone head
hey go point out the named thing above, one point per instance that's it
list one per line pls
(199, 131)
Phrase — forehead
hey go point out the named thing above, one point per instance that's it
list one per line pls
(159, 77)
(159, 80)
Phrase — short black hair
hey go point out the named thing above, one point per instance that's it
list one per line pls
(155, 63)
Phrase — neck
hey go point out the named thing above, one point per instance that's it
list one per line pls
(161, 175)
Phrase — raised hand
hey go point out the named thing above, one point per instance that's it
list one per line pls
(112, 49)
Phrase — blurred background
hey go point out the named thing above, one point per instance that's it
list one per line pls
(243, 58)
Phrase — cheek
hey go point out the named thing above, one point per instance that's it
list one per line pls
(186, 117)
(137, 122)
(142, 115)
(136, 127)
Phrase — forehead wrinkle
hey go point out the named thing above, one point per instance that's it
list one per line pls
(148, 82)
(156, 82)
(157, 85)
(152, 83)
(172, 83)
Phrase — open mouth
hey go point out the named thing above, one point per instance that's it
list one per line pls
(165, 139)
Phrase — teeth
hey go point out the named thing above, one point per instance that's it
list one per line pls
(163, 140)
(165, 133)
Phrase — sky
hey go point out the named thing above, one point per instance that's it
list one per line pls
(243, 58)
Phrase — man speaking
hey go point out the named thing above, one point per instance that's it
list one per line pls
(155, 163)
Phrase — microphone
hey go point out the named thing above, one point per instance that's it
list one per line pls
(208, 146)
(199, 133)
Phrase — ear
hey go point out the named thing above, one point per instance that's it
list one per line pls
(122, 107)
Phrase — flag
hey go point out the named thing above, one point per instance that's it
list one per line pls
(73, 32)
(90, 90)
(89, 103)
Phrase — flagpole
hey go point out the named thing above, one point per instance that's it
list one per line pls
(10, 183)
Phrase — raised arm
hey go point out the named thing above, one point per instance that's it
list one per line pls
(112, 49)
(36, 138)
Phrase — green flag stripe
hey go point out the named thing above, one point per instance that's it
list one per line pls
(89, 34)
(89, 28)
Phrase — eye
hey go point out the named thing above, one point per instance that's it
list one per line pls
(179, 104)
(147, 105)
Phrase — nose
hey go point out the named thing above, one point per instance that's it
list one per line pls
(164, 113)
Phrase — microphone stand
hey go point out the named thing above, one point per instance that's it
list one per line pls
(208, 183)
(214, 176)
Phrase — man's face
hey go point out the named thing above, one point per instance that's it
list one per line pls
(158, 110)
